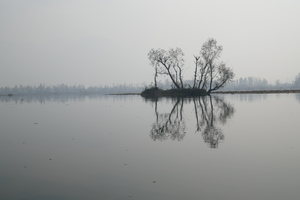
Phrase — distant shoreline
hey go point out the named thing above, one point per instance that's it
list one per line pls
(125, 94)
(257, 92)
(236, 92)
(215, 92)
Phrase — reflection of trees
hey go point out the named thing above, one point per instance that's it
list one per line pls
(209, 112)
(169, 125)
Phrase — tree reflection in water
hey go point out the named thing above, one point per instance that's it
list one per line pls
(169, 125)
(209, 111)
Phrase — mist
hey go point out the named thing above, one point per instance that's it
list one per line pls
(96, 43)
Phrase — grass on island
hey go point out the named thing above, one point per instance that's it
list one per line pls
(186, 92)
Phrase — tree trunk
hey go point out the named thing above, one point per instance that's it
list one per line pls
(211, 77)
(155, 77)
(170, 75)
(196, 69)
(176, 84)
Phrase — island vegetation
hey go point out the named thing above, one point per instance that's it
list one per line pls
(209, 74)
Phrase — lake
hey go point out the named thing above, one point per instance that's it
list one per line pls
(241, 146)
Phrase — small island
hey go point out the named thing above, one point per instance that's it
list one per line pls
(209, 74)
(185, 92)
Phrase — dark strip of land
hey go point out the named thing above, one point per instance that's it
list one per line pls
(257, 92)
(125, 94)
(236, 92)
(216, 92)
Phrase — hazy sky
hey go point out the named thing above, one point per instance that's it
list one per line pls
(98, 42)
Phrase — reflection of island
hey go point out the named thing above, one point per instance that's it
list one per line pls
(169, 125)
(209, 111)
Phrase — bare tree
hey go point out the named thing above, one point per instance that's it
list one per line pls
(209, 74)
(222, 76)
(169, 63)
(212, 75)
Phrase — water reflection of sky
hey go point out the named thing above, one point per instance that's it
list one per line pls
(100, 147)
(63, 98)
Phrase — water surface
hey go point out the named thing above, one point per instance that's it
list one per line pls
(242, 146)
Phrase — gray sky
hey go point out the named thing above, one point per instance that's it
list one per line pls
(98, 42)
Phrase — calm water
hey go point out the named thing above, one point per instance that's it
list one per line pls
(125, 147)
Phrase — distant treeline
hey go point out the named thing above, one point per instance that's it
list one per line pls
(75, 89)
(253, 83)
(241, 84)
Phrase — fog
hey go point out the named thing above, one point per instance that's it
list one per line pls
(106, 42)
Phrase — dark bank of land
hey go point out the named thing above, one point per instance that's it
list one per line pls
(152, 92)
(256, 92)
(186, 92)
(129, 93)
(156, 92)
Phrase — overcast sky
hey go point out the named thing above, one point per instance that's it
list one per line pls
(98, 42)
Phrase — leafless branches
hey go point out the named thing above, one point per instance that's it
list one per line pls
(209, 74)
(168, 63)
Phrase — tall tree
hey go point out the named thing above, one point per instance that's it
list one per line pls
(210, 74)
(169, 63)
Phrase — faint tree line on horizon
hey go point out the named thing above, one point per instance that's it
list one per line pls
(254, 83)
(246, 83)
(74, 89)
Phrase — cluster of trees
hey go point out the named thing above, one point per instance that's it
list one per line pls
(75, 89)
(209, 73)
(249, 83)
